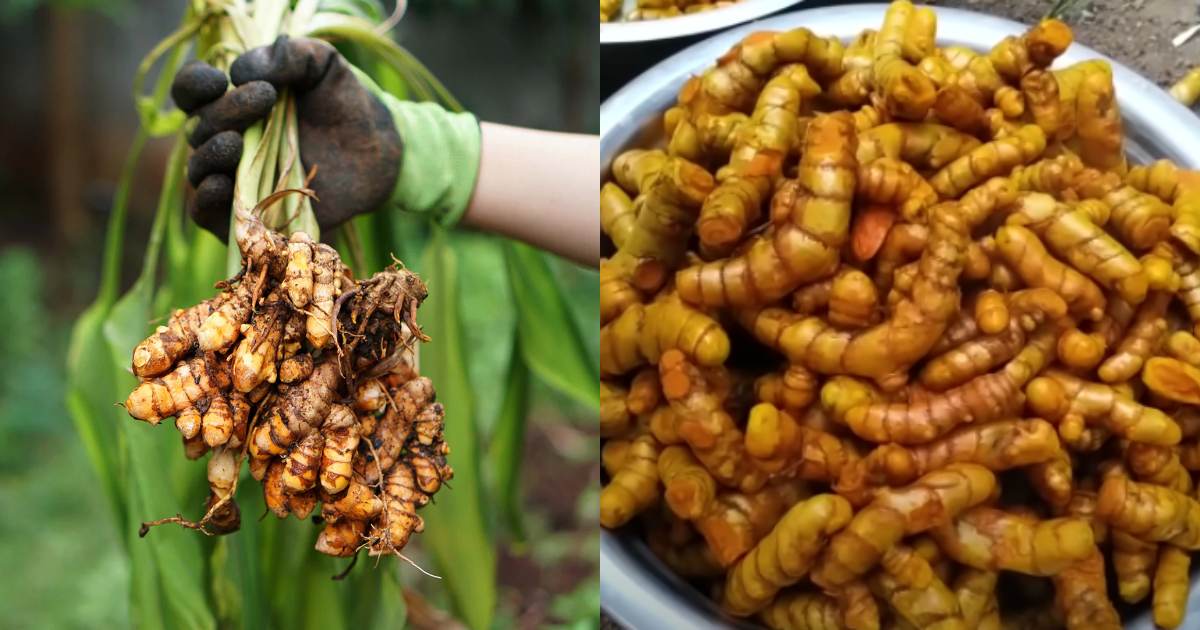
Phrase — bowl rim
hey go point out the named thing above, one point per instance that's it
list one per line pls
(635, 589)
(690, 24)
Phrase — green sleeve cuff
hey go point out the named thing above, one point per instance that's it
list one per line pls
(440, 160)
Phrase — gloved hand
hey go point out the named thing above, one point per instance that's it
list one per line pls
(357, 135)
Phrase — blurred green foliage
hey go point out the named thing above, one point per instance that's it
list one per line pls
(44, 477)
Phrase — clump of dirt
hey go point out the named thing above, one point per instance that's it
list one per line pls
(1137, 33)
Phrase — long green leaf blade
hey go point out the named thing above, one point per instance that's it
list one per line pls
(549, 340)
(456, 526)
(504, 452)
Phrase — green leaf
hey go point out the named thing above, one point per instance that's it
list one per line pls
(456, 525)
(367, 9)
(548, 337)
(488, 321)
(508, 439)
(91, 392)
(158, 123)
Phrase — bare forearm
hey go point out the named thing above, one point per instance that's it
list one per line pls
(539, 187)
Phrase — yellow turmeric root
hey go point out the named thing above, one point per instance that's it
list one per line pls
(806, 241)
(853, 299)
(635, 486)
(791, 390)
(191, 381)
(736, 521)
(643, 334)
(615, 418)
(857, 606)
(799, 610)
(997, 157)
(922, 145)
(708, 137)
(973, 358)
(1009, 101)
(1173, 379)
(1077, 234)
(989, 397)
(1052, 479)
(958, 108)
(1150, 512)
(756, 161)
(889, 181)
(1098, 132)
(1081, 595)
(1025, 254)
(996, 540)
(669, 205)
(1140, 341)
(1187, 89)
(915, 593)
(783, 447)
(998, 445)
(617, 213)
(705, 425)
(991, 312)
(1043, 103)
(907, 93)
(1014, 57)
(616, 291)
(785, 555)
(932, 500)
(1171, 584)
(687, 487)
(885, 351)
(975, 590)
(1158, 465)
(1048, 175)
(158, 353)
(1074, 403)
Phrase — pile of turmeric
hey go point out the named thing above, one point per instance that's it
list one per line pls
(309, 376)
(890, 328)
(610, 10)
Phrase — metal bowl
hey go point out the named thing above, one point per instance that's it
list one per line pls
(635, 588)
(684, 25)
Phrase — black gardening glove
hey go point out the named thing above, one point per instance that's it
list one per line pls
(345, 131)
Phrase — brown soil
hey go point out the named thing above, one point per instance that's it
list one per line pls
(1138, 33)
